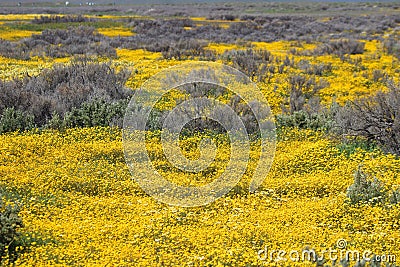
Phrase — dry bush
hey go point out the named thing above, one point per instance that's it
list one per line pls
(61, 19)
(188, 49)
(391, 45)
(63, 88)
(7, 49)
(340, 47)
(157, 35)
(303, 90)
(376, 118)
(252, 62)
(315, 69)
(297, 98)
(228, 17)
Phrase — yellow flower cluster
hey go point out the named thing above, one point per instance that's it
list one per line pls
(81, 207)
(348, 80)
(11, 68)
(115, 32)
(8, 34)
(19, 17)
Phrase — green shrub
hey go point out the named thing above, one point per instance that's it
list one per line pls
(95, 113)
(10, 223)
(350, 146)
(55, 123)
(13, 120)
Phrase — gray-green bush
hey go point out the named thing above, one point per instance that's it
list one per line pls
(12, 120)
(366, 190)
(322, 121)
(95, 113)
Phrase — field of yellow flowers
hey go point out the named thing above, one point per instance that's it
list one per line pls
(80, 206)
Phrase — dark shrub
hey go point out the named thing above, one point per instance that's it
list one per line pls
(297, 98)
(376, 118)
(303, 94)
(61, 19)
(188, 49)
(251, 62)
(341, 47)
(11, 49)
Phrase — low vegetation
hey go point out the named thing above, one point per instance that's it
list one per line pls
(331, 80)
